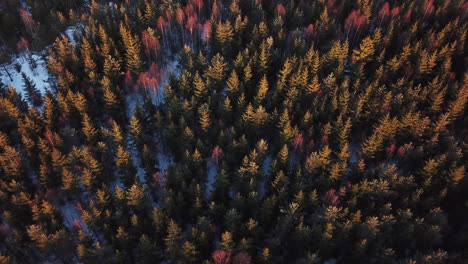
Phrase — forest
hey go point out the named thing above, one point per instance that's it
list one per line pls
(233, 131)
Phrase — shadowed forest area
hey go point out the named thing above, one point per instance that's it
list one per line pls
(233, 131)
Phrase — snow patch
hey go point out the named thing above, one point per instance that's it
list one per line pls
(267, 165)
(38, 75)
(210, 180)
(132, 100)
(164, 161)
(354, 151)
(266, 173)
(73, 33)
(70, 214)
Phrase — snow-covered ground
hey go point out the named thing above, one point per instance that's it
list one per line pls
(133, 98)
(211, 177)
(354, 152)
(70, 215)
(163, 159)
(73, 32)
(38, 75)
(266, 166)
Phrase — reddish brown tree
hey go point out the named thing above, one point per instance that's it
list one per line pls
(309, 30)
(180, 17)
(150, 43)
(206, 33)
(162, 25)
(221, 257)
(298, 142)
(330, 198)
(242, 258)
(198, 4)
(280, 10)
(217, 152)
(31, 26)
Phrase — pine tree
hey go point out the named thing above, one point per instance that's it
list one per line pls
(79, 102)
(457, 174)
(89, 131)
(10, 161)
(262, 90)
(136, 131)
(284, 73)
(149, 15)
(147, 249)
(427, 62)
(233, 84)
(279, 184)
(189, 252)
(125, 166)
(284, 126)
(227, 243)
(216, 70)
(173, 239)
(224, 34)
(117, 135)
(249, 116)
(87, 56)
(132, 50)
(110, 98)
(91, 172)
(200, 91)
(51, 112)
(283, 155)
(365, 52)
(70, 182)
(247, 74)
(136, 195)
(32, 93)
(112, 66)
(314, 86)
(264, 56)
(456, 107)
(204, 117)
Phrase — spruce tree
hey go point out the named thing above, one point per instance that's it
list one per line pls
(125, 166)
(132, 50)
(32, 93)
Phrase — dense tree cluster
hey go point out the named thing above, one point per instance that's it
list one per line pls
(237, 131)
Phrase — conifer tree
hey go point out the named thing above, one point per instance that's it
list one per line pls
(117, 134)
(132, 50)
(314, 86)
(125, 166)
(136, 195)
(136, 131)
(200, 89)
(216, 70)
(110, 98)
(227, 243)
(204, 117)
(224, 34)
(70, 182)
(87, 55)
(427, 62)
(173, 239)
(89, 131)
(32, 93)
(262, 90)
(233, 84)
(189, 252)
(365, 52)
